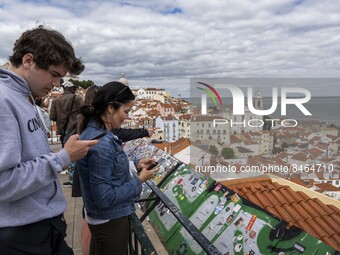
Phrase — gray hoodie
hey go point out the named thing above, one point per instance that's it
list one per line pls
(29, 185)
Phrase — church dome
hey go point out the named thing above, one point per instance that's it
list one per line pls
(123, 80)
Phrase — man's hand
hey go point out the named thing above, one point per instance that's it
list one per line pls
(77, 149)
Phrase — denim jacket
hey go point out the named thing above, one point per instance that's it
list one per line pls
(107, 188)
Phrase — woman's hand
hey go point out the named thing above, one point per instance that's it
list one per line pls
(145, 163)
(145, 174)
(151, 131)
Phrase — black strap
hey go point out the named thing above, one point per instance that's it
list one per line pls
(66, 123)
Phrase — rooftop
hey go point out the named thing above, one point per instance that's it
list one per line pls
(296, 207)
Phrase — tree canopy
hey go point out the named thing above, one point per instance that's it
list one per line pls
(82, 84)
(213, 150)
(227, 153)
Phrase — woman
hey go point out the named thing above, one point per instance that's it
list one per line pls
(108, 188)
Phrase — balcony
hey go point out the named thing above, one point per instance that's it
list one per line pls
(216, 205)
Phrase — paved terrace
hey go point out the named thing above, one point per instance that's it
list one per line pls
(73, 216)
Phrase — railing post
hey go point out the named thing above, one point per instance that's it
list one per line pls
(138, 238)
(206, 245)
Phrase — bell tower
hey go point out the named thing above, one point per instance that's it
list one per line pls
(258, 101)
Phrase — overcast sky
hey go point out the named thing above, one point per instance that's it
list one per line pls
(165, 43)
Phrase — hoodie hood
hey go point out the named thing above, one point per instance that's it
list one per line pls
(14, 81)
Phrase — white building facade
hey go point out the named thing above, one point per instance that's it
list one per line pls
(169, 125)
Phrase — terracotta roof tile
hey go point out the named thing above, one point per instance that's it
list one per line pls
(295, 195)
(303, 225)
(303, 213)
(264, 201)
(320, 232)
(283, 214)
(320, 227)
(259, 197)
(287, 195)
(316, 207)
(336, 218)
(306, 206)
(328, 209)
(293, 214)
(253, 189)
(279, 197)
(268, 185)
(335, 209)
(303, 195)
(295, 207)
(325, 227)
(273, 211)
(336, 238)
(330, 223)
(250, 197)
(330, 241)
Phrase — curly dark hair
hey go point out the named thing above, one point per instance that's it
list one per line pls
(49, 47)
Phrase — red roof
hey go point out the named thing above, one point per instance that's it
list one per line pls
(310, 214)
(326, 187)
(300, 156)
(175, 147)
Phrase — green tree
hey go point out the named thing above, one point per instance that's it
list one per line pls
(267, 123)
(277, 150)
(227, 153)
(82, 84)
(213, 150)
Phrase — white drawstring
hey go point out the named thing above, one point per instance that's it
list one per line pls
(38, 114)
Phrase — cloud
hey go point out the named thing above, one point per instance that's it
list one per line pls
(165, 43)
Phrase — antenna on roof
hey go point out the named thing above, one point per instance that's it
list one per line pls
(202, 158)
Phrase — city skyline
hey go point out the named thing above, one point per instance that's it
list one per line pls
(164, 44)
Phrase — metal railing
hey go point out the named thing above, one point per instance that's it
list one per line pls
(197, 235)
(138, 238)
(158, 196)
(139, 242)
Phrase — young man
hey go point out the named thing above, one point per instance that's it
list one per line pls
(31, 200)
